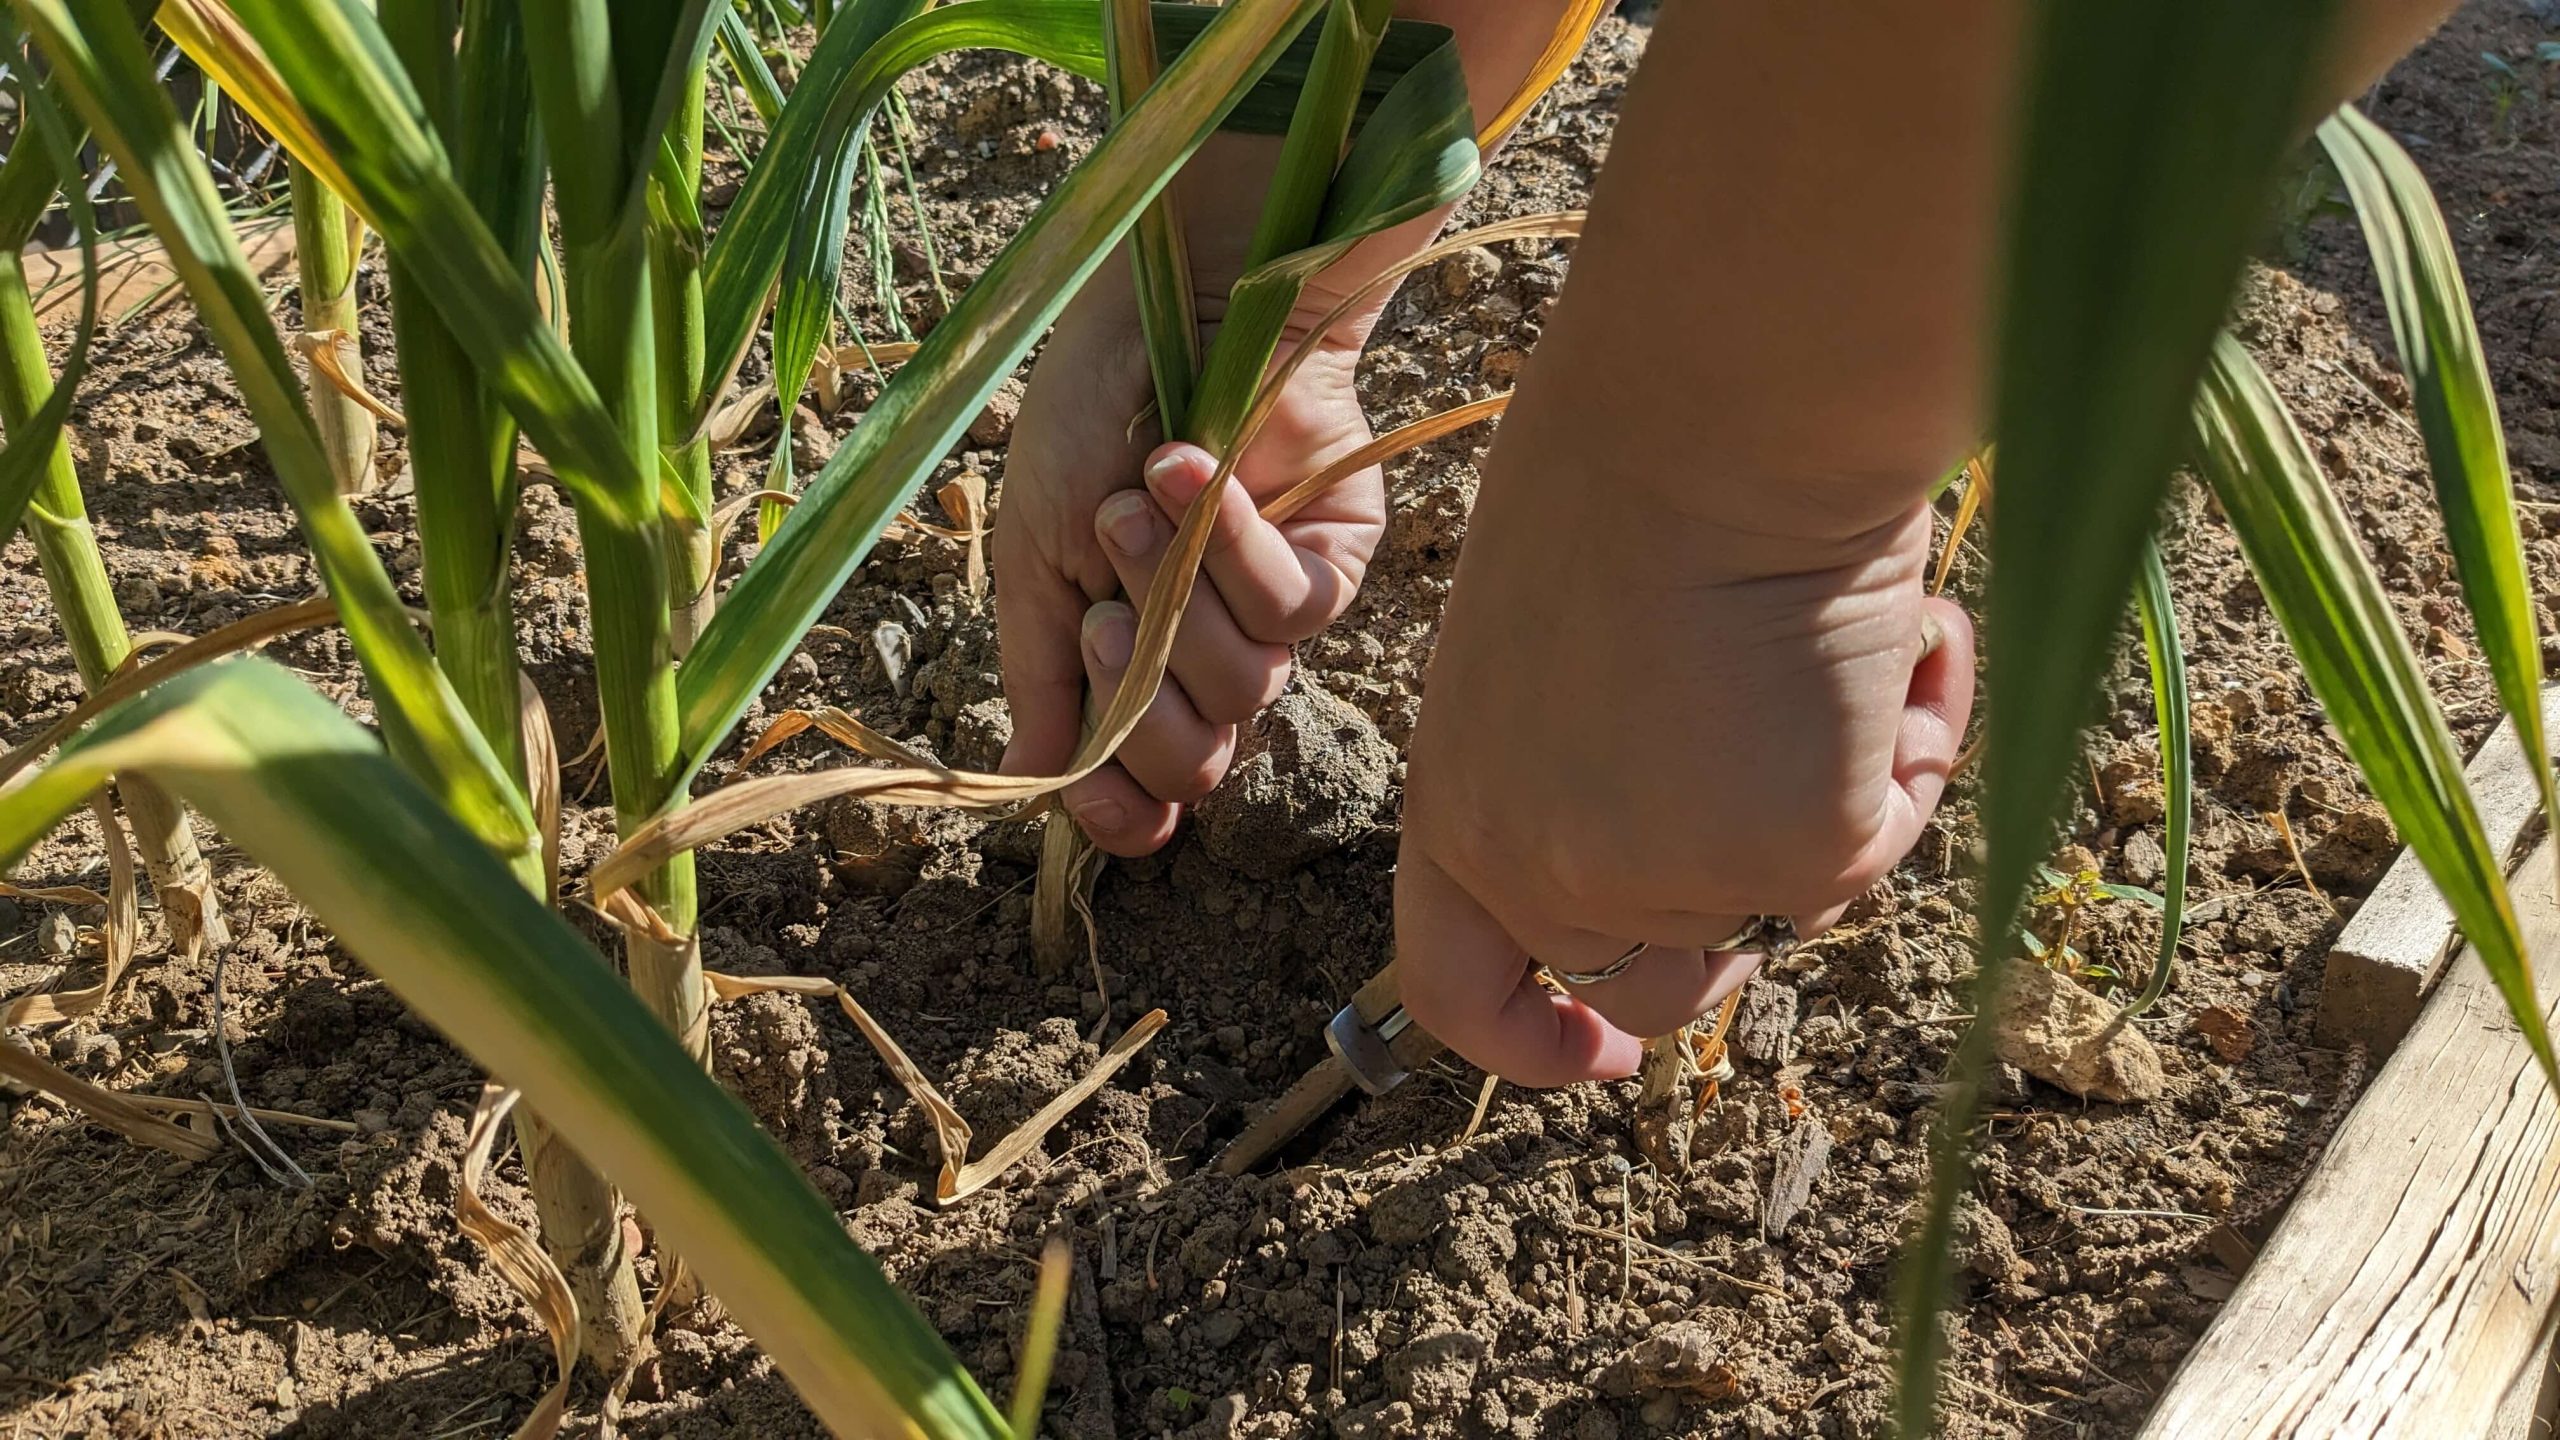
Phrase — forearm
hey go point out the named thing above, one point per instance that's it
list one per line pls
(1778, 316)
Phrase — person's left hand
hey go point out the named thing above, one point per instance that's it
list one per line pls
(1088, 512)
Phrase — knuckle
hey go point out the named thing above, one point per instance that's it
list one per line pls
(1243, 691)
(1275, 683)
(1185, 779)
(1193, 783)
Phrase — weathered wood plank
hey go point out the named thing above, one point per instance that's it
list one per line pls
(2525, 1413)
(2392, 950)
(2410, 1289)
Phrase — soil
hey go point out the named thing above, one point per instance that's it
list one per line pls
(1383, 1277)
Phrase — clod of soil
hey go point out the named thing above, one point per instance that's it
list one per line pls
(1309, 778)
(2056, 1031)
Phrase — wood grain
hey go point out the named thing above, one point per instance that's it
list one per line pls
(134, 274)
(2393, 949)
(2410, 1290)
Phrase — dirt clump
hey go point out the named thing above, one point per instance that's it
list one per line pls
(1309, 777)
(2059, 1032)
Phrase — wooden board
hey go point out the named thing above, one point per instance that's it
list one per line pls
(134, 274)
(2392, 950)
(2527, 1411)
(2410, 1290)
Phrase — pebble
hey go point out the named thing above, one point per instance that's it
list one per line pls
(1685, 1356)
(1467, 272)
(2145, 863)
(2230, 1032)
(1801, 1159)
(994, 426)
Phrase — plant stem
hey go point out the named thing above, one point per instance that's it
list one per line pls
(327, 243)
(604, 239)
(1206, 406)
(462, 453)
(1231, 373)
(675, 261)
(1168, 317)
(76, 577)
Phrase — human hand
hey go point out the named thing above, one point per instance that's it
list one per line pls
(1090, 503)
(1623, 740)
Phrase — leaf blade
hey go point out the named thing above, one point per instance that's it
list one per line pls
(2149, 135)
(934, 396)
(2302, 548)
(441, 920)
(2439, 343)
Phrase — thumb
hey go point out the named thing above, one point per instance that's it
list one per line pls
(1466, 981)
(1937, 706)
(1927, 737)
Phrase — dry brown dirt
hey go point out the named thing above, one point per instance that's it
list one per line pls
(1380, 1279)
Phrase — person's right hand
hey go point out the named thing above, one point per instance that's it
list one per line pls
(1625, 737)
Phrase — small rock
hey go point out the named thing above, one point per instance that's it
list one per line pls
(1681, 1356)
(812, 444)
(1802, 1157)
(1847, 1348)
(2206, 1285)
(1309, 778)
(2060, 1033)
(1227, 1415)
(1466, 272)
(841, 1190)
(2145, 863)
(994, 426)
(56, 936)
(1375, 1422)
(2231, 1033)
(1764, 1024)
(1985, 1245)
(87, 1050)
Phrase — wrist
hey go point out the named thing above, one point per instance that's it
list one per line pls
(1727, 516)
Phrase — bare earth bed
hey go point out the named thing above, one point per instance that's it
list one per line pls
(1379, 1279)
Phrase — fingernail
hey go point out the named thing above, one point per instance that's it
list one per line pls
(1174, 476)
(1932, 635)
(1105, 815)
(1128, 521)
(1112, 633)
